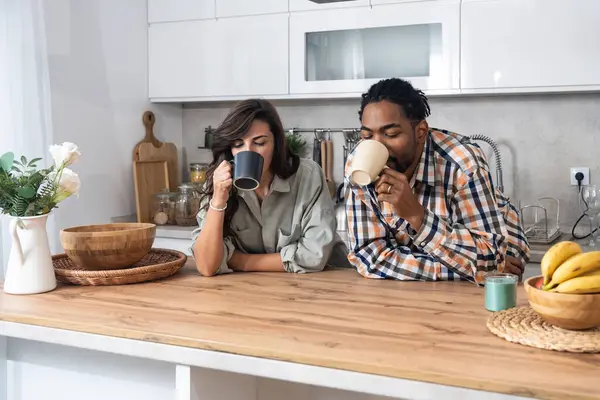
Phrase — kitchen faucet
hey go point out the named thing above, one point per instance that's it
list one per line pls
(497, 156)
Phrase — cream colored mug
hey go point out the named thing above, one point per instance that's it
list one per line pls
(370, 157)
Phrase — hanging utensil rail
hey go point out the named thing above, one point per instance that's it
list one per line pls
(351, 135)
(320, 133)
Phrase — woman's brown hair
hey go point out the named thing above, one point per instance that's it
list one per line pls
(235, 125)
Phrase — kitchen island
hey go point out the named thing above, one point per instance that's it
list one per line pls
(330, 335)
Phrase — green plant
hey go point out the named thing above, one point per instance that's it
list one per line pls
(296, 144)
(26, 191)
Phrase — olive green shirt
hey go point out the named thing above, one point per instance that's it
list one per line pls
(296, 220)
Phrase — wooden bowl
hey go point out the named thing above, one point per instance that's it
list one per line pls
(568, 311)
(108, 246)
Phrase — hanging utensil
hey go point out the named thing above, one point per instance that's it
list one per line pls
(340, 209)
(317, 148)
(323, 146)
(329, 169)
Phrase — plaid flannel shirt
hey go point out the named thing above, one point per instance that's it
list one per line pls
(467, 230)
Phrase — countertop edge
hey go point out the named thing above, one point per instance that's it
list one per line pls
(236, 350)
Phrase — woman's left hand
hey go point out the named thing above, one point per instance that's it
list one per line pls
(237, 261)
(242, 262)
(393, 188)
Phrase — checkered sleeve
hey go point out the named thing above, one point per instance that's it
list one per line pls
(518, 246)
(374, 251)
(473, 242)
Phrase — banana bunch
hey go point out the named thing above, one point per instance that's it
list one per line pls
(567, 269)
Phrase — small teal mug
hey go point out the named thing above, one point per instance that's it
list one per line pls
(500, 291)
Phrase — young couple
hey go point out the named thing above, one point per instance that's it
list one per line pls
(432, 215)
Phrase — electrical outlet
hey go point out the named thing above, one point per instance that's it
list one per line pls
(586, 175)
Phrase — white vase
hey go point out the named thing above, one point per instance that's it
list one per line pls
(30, 268)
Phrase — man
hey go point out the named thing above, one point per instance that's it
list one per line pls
(433, 214)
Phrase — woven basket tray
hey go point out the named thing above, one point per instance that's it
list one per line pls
(523, 325)
(157, 264)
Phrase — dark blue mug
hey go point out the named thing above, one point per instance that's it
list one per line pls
(247, 170)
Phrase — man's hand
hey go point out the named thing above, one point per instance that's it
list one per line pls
(393, 187)
(514, 266)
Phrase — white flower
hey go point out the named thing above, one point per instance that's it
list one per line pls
(68, 184)
(69, 181)
(64, 154)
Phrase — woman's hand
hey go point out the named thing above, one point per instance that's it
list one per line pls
(222, 183)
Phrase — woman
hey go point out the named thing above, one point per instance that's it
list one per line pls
(287, 224)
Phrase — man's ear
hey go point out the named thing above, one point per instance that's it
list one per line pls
(421, 130)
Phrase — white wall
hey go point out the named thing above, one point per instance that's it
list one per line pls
(541, 136)
(97, 52)
(25, 112)
(97, 66)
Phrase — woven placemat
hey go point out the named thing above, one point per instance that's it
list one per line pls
(523, 325)
(157, 264)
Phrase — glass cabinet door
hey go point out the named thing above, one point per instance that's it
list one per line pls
(346, 51)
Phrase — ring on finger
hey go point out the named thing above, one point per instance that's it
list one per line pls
(389, 189)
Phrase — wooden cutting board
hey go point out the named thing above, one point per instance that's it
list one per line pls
(152, 149)
(150, 177)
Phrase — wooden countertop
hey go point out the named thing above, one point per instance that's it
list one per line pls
(433, 332)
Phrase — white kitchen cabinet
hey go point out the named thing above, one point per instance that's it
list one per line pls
(180, 10)
(347, 50)
(309, 5)
(232, 8)
(530, 45)
(229, 57)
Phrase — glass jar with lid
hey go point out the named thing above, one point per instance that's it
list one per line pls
(198, 173)
(198, 190)
(187, 205)
(164, 207)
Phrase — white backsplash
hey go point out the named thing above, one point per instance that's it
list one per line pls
(540, 136)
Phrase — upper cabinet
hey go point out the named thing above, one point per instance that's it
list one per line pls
(229, 57)
(308, 5)
(530, 45)
(208, 50)
(347, 50)
(180, 10)
(232, 8)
